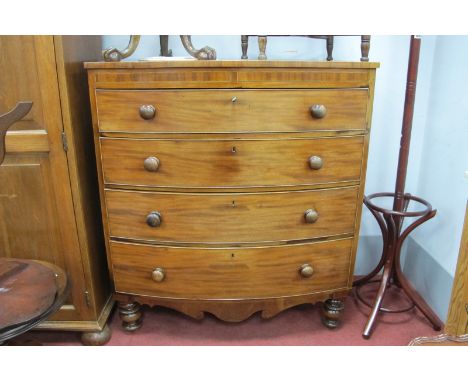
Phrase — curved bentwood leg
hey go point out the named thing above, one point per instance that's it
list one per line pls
(405, 283)
(378, 299)
(383, 230)
(391, 234)
(391, 225)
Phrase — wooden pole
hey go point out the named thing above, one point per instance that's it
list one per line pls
(411, 80)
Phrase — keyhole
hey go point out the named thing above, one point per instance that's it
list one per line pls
(232, 255)
(233, 204)
(234, 150)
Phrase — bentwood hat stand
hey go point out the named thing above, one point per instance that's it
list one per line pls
(30, 290)
(391, 221)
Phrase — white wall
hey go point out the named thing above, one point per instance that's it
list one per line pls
(439, 146)
(444, 154)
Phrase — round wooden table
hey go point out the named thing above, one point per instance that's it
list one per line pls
(30, 291)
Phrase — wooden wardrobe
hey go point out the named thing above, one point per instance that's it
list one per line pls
(49, 206)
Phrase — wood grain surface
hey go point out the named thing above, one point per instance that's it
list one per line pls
(230, 78)
(284, 65)
(233, 310)
(48, 198)
(230, 163)
(230, 217)
(183, 74)
(27, 289)
(36, 205)
(206, 273)
(457, 320)
(213, 111)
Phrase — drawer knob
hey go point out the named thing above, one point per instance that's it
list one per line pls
(154, 219)
(306, 270)
(158, 275)
(318, 111)
(311, 216)
(315, 162)
(151, 164)
(147, 111)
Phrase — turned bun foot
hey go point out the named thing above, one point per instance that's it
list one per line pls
(332, 310)
(131, 316)
(98, 338)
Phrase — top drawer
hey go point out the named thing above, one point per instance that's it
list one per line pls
(237, 111)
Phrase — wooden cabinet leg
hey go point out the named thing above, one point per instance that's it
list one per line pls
(332, 310)
(330, 41)
(130, 314)
(245, 46)
(164, 44)
(97, 338)
(365, 46)
(262, 42)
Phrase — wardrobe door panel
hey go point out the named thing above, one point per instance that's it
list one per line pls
(36, 210)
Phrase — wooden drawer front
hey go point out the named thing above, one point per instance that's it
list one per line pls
(231, 218)
(207, 273)
(229, 163)
(196, 111)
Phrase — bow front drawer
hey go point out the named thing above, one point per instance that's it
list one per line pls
(230, 163)
(206, 273)
(235, 111)
(231, 217)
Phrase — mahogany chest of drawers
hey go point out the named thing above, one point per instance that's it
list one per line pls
(231, 187)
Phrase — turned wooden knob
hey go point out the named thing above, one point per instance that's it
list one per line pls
(151, 164)
(147, 111)
(154, 219)
(318, 111)
(311, 216)
(306, 270)
(158, 275)
(315, 162)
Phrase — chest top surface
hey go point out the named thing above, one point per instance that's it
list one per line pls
(231, 74)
